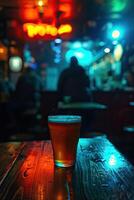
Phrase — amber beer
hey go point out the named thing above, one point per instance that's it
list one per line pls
(64, 132)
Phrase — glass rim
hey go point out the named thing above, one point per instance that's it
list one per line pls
(64, 119)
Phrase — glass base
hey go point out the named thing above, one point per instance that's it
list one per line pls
(64, 164)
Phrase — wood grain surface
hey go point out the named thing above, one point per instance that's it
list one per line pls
(100, 172)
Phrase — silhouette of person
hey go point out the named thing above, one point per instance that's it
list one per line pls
(25, 105)
(73, 83)
(28, 89)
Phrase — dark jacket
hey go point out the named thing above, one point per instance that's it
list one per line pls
(74, 82)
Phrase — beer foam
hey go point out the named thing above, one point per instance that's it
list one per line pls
(64, 118)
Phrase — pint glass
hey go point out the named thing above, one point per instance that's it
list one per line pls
(64, 132)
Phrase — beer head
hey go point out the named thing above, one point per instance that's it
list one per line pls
(64, 119)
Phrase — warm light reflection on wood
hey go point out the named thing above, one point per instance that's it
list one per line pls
(39, 166)
(62, 184)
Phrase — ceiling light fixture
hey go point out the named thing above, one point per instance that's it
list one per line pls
(40, 6)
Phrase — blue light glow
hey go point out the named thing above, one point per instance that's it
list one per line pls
(84, 56)
(58, 40)
(107, 50)
(116, 33)
(77, 44)
(112, 160)
(115, 42)
(79, 54)
(56, 47)
(101, 44)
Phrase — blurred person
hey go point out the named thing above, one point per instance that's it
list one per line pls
(73, 84)
(26, 100)
(28, 89)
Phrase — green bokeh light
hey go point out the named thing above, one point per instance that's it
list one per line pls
(117, 5)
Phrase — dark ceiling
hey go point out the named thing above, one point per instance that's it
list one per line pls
(84, 14)
(87, 8)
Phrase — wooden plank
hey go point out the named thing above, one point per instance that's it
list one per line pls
(31, 175)
(100, 173)
(103, 172)
(8, 154)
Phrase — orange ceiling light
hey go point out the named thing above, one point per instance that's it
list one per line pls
(40, 5)
(3, 52)
(33, 30)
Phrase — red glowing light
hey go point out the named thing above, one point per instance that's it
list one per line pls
(29, 14)
(66, 9)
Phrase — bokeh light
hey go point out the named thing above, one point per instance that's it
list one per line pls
(107, 50)
(15, 63)
(116, 34)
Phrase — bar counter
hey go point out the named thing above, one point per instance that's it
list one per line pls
(101, 172)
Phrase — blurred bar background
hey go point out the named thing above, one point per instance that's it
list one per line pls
(44, 35)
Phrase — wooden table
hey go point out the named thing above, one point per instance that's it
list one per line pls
(27, 172)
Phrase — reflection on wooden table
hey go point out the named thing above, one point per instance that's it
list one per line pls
(27, 172)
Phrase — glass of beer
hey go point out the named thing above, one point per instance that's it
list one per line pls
(64, 132)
